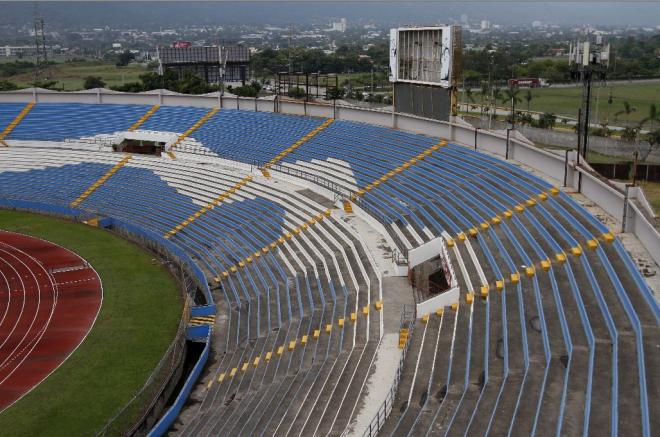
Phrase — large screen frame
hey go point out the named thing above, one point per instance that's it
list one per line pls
(423, 55)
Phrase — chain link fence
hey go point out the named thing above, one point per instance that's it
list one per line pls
(141, 412)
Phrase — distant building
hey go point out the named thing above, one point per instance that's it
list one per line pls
(182, 44)
(464, 19)
(556, 52)
(485, 24)
(20, 51)
(206, 62)
(339, 26)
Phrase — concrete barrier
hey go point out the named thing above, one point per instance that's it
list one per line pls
(170, 415)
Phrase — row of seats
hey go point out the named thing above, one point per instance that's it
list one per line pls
(556, 330)
(309, 282)
(59, 121)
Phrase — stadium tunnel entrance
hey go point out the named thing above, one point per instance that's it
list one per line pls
(429, 279)
(143, 142)
(142, 147)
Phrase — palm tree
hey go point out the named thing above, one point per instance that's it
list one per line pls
(654, 116)
(511, 94)
(484, 95)
(629, 134)
(470, 97)
(497, 94)
(547, 120)
(528, 98)
(605, 129)
(627, 109)
(610, 100)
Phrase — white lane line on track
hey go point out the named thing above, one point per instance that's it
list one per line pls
(39, 334)
(4, 315)
(98, 311)
(22, 306)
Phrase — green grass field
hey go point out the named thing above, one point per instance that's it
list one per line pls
(566, 101)
(139, 317)
(71, 75)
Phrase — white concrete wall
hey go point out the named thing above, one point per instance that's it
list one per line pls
(426, 251)
(440, 301)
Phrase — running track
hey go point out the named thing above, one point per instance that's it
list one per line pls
(49, 299)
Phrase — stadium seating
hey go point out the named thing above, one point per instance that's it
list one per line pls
(555, 331)
(313, 281)
(9, 111)
(56, 122)
(173, 118)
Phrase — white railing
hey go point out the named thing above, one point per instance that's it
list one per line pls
(407, 321)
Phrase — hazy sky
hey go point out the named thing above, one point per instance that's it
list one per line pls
(278, 12)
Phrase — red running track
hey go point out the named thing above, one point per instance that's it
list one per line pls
(49, 300)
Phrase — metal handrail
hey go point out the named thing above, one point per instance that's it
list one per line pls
(407, 321)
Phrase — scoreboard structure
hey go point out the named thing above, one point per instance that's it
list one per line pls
(424, 70)
(214, 64)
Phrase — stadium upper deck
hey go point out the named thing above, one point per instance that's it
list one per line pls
(555, 330)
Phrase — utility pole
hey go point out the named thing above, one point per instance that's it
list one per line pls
(41, 55)
(588, 59)
(372, 78)
(290, 48)
(490, 87)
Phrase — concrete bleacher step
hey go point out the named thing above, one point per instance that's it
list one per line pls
(478, 353)
(275, 373)
(247, 385)
(325, 378)
(408, 377)
(426, 370)
(311, 411)
(297, 400)
(290, 367)
(221, 422)
(290, 422)
(438, 381)
(329, 401)
(356, 389)
(263, 376)
(525, 416)
(461, 417)
(201, 423)
(456, 385)
(493, 376)
(553, 387)
(270, 421)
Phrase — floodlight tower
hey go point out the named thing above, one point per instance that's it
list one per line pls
(588, 59)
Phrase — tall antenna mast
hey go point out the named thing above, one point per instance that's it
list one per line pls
(588, 59)
(41, 55)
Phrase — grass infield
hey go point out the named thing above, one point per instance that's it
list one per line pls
(138, 320)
